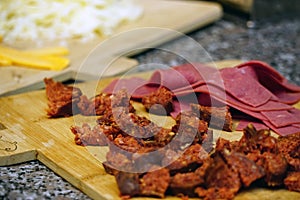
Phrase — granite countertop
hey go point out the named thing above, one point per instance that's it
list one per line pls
(276, 43)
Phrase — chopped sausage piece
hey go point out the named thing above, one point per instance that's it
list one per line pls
(127, 123)
(128, 183)
(62, 99)
(190, 160)
(102, 103)
(189, 128)
(201, 171)
(163, 137)
(155, 183)
(109, 168)
(220, 175)
(127, 152)
(134, 125)
(216, 117)
(290, 147)
(128, 143)
(146, 158)
(111, 130)
(122, 99)
(85, 135)
(185, 183)
(222, 144)
(221, 182)
(247, 170)
(275, 167)
(159, 102)
(255, 155)
(117, 161)
(86, 106)
(208, 142)
(253, 140)
(259, 147)
(292, 181)
(262, 148)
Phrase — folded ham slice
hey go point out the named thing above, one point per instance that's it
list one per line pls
(281, 118)
(254, 88)
(269, 77)
(244, 123)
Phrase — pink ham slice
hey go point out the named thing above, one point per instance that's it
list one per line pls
(231, 101)
(179, 106)
(186, 77)
(259, 79)
(283, 131)
(253, 88)
(287, 97)
(282, 118)
(244, 123)
(244, 87)
(209, 98)
(284, 91)
(131, 85)
(268, 76)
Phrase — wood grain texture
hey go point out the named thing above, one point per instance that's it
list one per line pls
(161, 21)
(23, 120)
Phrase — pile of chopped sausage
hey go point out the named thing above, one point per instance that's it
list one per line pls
(184, 160)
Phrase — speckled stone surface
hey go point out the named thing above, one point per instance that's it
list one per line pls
(277, 44)
(34, 181)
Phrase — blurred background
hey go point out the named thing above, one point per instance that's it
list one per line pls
(258, 11)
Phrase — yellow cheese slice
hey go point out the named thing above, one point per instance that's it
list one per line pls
(48, 51)
(22, 58)
(4, 61)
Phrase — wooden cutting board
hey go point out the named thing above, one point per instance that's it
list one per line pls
(27, 134)
(162, 21)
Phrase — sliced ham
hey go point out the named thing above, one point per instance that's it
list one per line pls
(282, 118)
(254, 88)
(243, 123)
(274, 82)
(283, 131)
(178, 107)
(244, 87)
(131, 85)
(230, 100)
(217, 102)
(186, 77)
(176, 77)
(287, 97)
(268, 76)
(259, 66)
